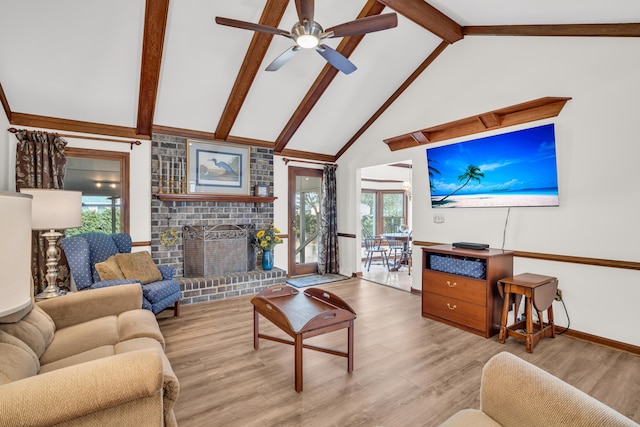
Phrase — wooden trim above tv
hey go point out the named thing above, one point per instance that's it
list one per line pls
(538, 109)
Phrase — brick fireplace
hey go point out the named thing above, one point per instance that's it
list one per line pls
(211, 285)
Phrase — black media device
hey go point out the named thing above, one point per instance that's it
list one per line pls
(468, 245)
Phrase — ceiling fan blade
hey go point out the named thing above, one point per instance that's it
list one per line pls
(305, 10)
(250, 26)
(283, 58)
(336, 59)
(366, 25)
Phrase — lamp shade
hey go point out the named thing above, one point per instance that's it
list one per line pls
(55, 209)
(15, 261)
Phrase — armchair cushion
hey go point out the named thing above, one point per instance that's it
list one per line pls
(109, 269)
(139, 265)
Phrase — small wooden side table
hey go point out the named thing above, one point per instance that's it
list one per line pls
(303, 314)
(539, 291)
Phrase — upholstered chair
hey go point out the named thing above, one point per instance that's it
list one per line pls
(98, 260)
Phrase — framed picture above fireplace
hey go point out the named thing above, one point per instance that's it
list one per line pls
(214, 168)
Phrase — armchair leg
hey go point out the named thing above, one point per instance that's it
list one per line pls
(176, 309)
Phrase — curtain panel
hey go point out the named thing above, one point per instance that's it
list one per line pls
(41, 163)
(328, 233)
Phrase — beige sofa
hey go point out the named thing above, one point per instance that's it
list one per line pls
(515, 393)
(87, 358)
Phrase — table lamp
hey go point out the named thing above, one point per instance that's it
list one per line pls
(15, 261)
(54, 210)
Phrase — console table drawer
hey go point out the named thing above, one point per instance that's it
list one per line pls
(455, 310)
(459, 287)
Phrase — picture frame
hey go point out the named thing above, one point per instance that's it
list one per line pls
(261, 190)
(216, 168)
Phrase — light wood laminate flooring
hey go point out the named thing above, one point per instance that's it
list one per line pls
(409, 371)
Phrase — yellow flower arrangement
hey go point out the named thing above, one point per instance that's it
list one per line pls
(266, 239)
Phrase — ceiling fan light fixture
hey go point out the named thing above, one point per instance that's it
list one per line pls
(306, 34)
(307, 41)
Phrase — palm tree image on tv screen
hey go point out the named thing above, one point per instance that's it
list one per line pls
(508, 170)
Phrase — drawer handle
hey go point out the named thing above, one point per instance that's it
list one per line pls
(451, 307)
(451, 285)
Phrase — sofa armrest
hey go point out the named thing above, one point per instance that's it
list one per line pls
(167, 272)
(128, 384)
(82, 306)
(514, 392)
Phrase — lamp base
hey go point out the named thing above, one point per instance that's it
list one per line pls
(50, 292)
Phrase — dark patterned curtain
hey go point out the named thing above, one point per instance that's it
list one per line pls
(41, 163)
(328, 234)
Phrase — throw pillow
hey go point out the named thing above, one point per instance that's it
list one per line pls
(140, 266)
(109, 269)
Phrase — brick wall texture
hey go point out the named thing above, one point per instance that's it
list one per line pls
(165, 215)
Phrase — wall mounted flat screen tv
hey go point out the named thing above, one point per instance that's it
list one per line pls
(512, 169)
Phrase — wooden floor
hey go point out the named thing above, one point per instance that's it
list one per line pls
(409, 371)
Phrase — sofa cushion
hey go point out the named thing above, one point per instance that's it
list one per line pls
(85, 356)
(104, 331)
(36, 329)
(109, 269)
(18, 360)
(139, 265)
(82, 337)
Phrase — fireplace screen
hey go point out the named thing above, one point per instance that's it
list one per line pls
(217, 250)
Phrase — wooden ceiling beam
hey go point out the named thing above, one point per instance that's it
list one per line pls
(5, 104)
(326, 76)
(210, 136)
(54, 123)
(566, 30)
(271, 16)
(428, 17)
(155, 25)
(325, 158)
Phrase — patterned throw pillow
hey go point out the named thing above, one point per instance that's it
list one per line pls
(109, 269)
(140, 266)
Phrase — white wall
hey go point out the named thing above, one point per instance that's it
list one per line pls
(7, 151)
(598, 147)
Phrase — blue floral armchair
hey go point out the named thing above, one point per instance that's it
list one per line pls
(84, 251)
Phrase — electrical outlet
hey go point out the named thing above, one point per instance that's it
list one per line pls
(438, 218)
(559, 295)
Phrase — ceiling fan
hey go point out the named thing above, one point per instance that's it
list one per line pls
(308, 34)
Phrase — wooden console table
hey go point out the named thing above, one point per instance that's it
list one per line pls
(303, 314)
(469, 303)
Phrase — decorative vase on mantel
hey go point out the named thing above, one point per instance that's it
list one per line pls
(267, 259)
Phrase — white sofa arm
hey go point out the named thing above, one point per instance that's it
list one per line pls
(127, 386)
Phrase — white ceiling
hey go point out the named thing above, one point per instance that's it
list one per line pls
(80, 60)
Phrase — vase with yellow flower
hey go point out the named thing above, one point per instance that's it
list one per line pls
(266, 240)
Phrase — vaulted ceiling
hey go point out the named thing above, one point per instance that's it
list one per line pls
(130, 68)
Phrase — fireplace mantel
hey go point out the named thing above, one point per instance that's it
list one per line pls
(214, 198)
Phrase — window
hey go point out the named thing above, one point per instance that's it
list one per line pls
(382, 211)
(103, 178)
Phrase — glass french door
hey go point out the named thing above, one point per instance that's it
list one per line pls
(305, 187)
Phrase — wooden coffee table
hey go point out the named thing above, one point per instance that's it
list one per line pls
(303, 314)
